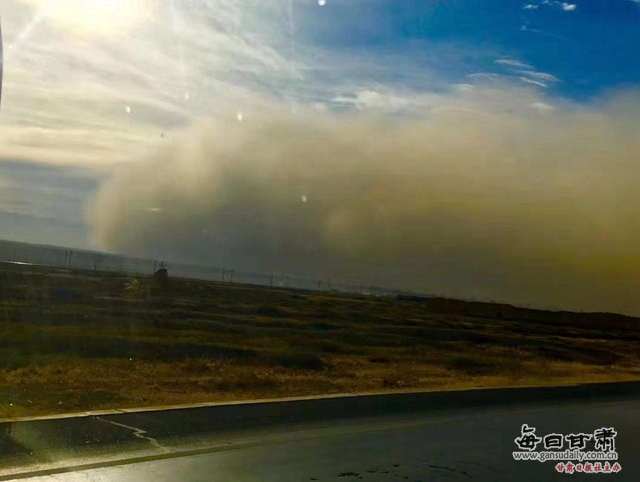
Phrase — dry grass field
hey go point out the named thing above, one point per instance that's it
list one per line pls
(75, 341)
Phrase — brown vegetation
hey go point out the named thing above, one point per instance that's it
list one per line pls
(80, 341)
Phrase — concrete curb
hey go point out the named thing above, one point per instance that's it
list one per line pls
(52, 438)
(615, 388)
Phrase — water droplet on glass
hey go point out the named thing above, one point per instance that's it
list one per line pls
(304, 198)
(239, 116)
(322, 3)
(127, 109)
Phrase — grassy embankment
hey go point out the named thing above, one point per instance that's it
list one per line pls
(72, 342)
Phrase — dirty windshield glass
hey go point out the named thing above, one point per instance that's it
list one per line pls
(222, 200)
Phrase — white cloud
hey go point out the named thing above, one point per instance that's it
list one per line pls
(530, 6)
(181, 66)
(513, 63)
(369, 99)
(487, 77)
(524, 72)
(567, 7)
(389, 101)
(542, 107)
(533, 82)
(541, 76)
(66, 96)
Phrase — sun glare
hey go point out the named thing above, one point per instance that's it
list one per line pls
(95, 18)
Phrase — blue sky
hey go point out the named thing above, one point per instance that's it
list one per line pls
(590, 48)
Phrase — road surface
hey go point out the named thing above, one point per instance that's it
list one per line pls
(461, 444)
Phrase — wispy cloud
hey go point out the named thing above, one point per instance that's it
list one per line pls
(530, 6)
(569, 7)
(534, 82)
(96, 101)
(526, 72)
(70, 99)
(542, 76)
(513, 63)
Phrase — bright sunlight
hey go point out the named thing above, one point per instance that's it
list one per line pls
(88, 19)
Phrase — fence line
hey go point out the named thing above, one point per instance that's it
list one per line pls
(66, 258)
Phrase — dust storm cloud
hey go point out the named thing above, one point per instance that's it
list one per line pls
(487, 198)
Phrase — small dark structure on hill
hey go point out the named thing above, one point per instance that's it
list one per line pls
(161, 279)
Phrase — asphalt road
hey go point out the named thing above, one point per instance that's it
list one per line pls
(474, 444)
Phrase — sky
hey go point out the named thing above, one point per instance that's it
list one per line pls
(467, 147)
